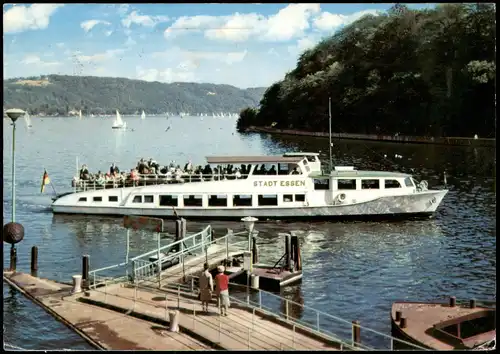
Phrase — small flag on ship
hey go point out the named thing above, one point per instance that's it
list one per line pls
(45, 180)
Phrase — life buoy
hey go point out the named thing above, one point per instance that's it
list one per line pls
(341, 197)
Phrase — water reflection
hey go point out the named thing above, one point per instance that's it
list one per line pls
(352, 270)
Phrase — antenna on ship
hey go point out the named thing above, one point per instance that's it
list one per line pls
(330, 130)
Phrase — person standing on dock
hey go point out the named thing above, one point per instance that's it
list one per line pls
(206, 287)
(222, 291)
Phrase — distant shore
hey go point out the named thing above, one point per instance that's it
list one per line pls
(484, 142)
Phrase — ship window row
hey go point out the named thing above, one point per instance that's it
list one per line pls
(350, 184)
(241, 200)
(111, 198)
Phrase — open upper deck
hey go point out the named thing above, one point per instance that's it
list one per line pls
(224, 160)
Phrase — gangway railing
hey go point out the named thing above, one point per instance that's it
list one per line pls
(314, 320)
(144, 269)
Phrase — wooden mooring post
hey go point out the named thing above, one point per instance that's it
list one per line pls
(356, 333)
(85, 271)
(34, 260)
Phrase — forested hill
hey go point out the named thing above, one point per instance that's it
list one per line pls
(59, 94)
(413, 72)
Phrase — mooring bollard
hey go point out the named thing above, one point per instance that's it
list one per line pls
(174, 321)
(472, 303)
(77, 284)
(398, 316)
(453, 301)
(403, 323)
(34, 259)
(356, 332)
(85, 271)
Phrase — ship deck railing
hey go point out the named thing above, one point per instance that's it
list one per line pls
(149, 180)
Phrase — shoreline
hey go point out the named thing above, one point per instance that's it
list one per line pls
(453, 141)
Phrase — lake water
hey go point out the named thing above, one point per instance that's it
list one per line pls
(351, 270)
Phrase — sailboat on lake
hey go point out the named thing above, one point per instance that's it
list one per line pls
(119, 123)
(27, 120)
(80, 114)
(143, 115)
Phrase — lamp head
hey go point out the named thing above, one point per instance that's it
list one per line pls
(249, 222)
(14, 113)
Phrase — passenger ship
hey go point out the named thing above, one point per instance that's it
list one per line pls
(297, 188)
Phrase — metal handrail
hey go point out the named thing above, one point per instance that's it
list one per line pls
(338, 319)
(251, 326)
(152, 179)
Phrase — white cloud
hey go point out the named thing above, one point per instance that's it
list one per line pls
(327, 21)
(88, 25)
(188, 23)
(142, 20)
(21, 18)
(303, 44)
(108, 33)
(198, 56)
(130, 42)
(123, 9)
(109, 54)
(60, 45)
(33, 59)
(290, 22)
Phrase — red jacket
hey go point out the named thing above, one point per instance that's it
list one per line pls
(221, 282)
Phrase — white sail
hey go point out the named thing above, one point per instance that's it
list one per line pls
(118, 123)
(143, 115)
(80, 114)
(27, 120)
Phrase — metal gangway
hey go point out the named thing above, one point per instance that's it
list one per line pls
(142, 273)
(143, 268)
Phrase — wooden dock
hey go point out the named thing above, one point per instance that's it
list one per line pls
(127, 317)
(102, 328)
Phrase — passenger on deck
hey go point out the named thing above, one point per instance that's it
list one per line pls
(113, 169)
(237, 173)
(262, 170)
(188, 168)
(84, 173)
(295, 171)
(272, 171)
(243, 169)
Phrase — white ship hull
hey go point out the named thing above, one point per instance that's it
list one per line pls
(344, 193)
(392, 206)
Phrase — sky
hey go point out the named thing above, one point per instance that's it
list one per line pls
(244, 45)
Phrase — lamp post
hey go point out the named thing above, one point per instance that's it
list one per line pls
(249, 222)
(14, 114)
(13, 232)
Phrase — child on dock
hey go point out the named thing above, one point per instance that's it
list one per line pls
(222, 290)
